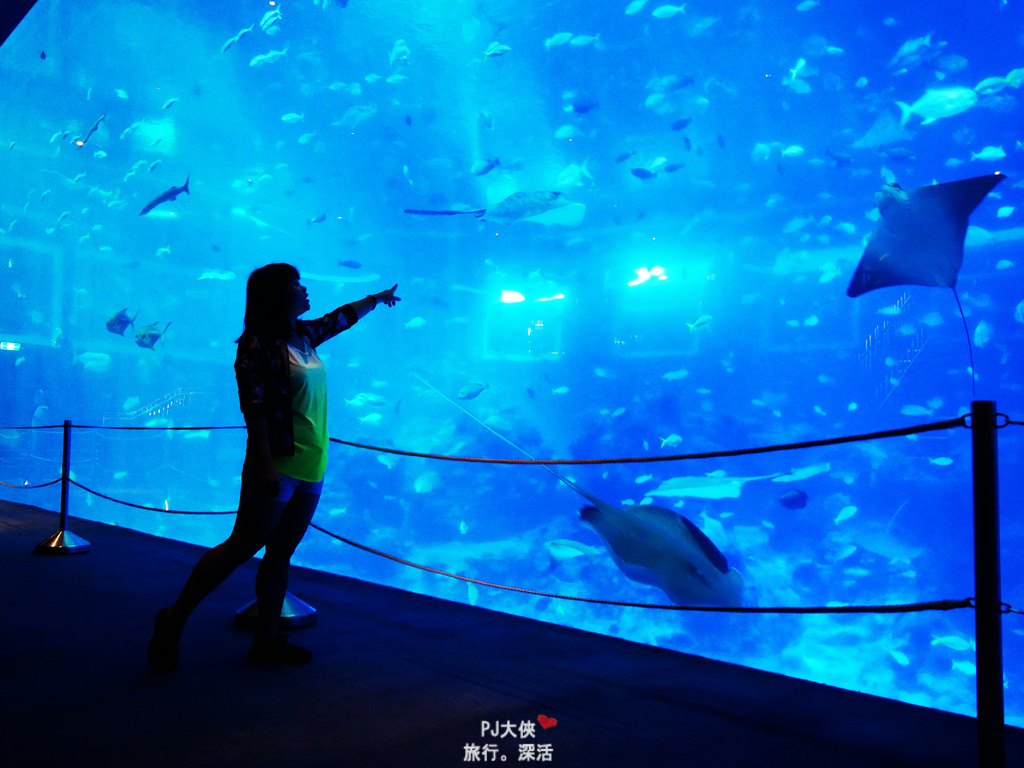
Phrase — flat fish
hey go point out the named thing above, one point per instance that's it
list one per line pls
(656, 546)
(516, 207)
(471, 390)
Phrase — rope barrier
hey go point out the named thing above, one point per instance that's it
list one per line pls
(140, 506)
(903, 431)
(29, 487)
(942, 605)
(961, 421)
(936, 605)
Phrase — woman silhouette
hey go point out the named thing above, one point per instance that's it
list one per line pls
(282, 389)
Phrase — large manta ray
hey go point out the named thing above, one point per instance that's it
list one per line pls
(653, 545)
(919, 239)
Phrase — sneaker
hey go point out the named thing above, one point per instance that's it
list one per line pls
(163, 647)
(277, 650)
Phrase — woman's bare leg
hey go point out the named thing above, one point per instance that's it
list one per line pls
(272, 576)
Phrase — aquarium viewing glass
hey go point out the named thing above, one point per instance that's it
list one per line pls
(632, 234)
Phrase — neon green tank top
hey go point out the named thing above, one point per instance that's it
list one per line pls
(309, 417)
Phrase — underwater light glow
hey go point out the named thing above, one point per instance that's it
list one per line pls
(643, 275)
(552, 298)
(12, 346)
(511, 297)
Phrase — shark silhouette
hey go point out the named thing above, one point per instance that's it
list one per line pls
(919, 239)
(653, 545)
(166, 197)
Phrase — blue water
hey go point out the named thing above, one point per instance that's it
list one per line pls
(764, 243)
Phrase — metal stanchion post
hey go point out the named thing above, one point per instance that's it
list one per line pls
(64, 542)
(988, 601)
(295, 613)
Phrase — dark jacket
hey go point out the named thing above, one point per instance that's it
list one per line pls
(264, 375)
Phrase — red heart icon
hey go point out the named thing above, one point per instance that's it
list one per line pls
(546, 722)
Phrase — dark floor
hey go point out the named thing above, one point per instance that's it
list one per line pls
(397, 679)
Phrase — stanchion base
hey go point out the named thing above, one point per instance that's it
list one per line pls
(63, 543)
(295, 614)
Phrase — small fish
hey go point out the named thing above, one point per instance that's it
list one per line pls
(121, 94)
(471, 390)
(559, 39)
(496, 49)
(215, 274)
(982, 333)
(306, 138)
(700, 322)
(806, 5)
(941, 461)
(149, 335)
(236, 38)
(99, 154)
(293, 117)
(317, 219)
(954, 642)
(915, 410)
(416, 322)
(118, 322)
(560, 390)
(671, 441)
(350, 264)
(668, 11)
(267, 58)
(483, 167)
(166, 197)
(169, 103)
(367, 398)
(643, 173)
(845, 514)
(967, 667)
(624, 157)
(687, 143)
(635, 7)
(673, 167)
(675, 375)
(373, 418)
(644, 479)
(353, 88)
(586, 40)
(679, 125)
(989, 153)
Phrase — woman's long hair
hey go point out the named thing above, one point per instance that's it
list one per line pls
(266, 295)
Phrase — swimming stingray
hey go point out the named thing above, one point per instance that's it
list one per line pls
(540, 207)
(919, 239)
(655, 546)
